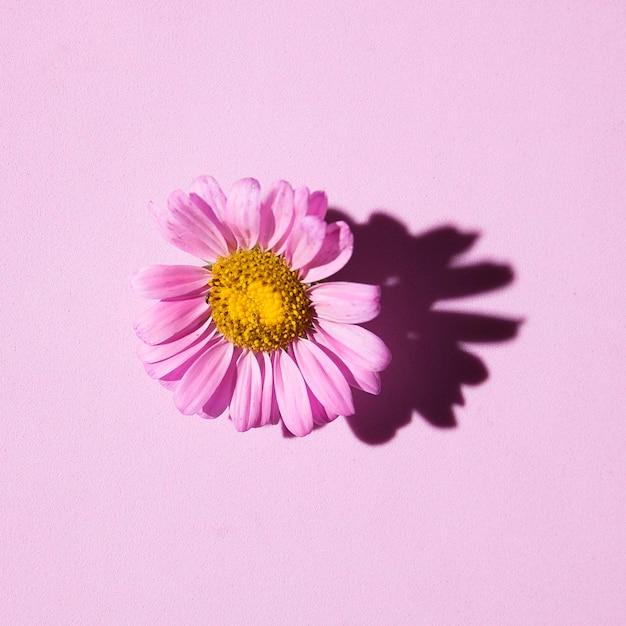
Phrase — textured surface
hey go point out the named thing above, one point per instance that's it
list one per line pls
(502, 122)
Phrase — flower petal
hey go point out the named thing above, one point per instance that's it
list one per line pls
(305, 241)
(185, 357)
(291, 394)
(280, 202)
(353, 343)
(356, 375)
(321, 415)
(269, 411)
(305, 203)
(197, 217)
(218, 404)
(168, 281)
(318, 204)
(209, 190)
(245, 408)
(162, 351)
(203, 377)
(323, 378)
(243, 211)
(300, 203)
(171, 319)
(349, 303)
(332, 256)
(219, 230)
(177, 234)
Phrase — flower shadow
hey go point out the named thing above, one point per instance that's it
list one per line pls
(431, 361)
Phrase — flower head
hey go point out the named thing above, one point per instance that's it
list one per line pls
(252, 334)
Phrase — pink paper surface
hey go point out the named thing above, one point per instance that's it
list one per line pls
(502, 119)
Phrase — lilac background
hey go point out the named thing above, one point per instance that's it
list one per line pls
(504, 118)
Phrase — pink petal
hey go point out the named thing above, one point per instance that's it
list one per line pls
(185, 357)
(315, 204)
(356, 375)
(365, 379)
(318, 204)
(203, 377)
(333, 255)
(321, 415)
(243, 211)
(353, 343)
(178, 235)
(305, 241)
(323, 378)
(300, 202)
(162, 351)
(218, 404)
(280, 203)
(209, 190)
(245, 408)
(269, 412)
(291, 394)
(171, 319)
(168, 281)
(350, 303)
(197, 217)
(206, 416)
(219, 231)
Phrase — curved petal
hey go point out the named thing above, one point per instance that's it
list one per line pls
(168, 281)
(209, 190)
(243, 211)
(305, 241)
(206, 416)
(323, 378)
(197, 217)
(291, 394)
(178, 235)
(353, 343)
(203, 377)
(280, 202)
(300, 202)
(349, 303)
(171, 319)
(321, 415)
(356, 375)
(333, 255)
(306, 203)
(184, 357)
(245, 407)
(269, 412)
(162, 351)
(219, 231)
(365, 379)
(318, 204)
(218, 404)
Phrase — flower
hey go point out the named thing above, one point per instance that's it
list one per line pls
(253, 335)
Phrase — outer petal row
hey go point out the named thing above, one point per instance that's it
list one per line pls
(357, 352)
(168, 320)
(349, 303)
(207, 224)
(159, 282)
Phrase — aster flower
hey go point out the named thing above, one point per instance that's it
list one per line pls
(252, 334)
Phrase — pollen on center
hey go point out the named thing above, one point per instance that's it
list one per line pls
(258, 302)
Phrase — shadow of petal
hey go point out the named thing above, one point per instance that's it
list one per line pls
(431, 359)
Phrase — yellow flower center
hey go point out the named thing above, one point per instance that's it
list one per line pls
(258, 302)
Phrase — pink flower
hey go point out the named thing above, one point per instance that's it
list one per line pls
(252, 335)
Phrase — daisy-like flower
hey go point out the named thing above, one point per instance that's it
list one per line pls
(252, 334)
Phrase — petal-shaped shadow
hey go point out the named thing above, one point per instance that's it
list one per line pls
(431, 360)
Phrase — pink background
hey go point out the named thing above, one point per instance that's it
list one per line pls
(502, 119)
